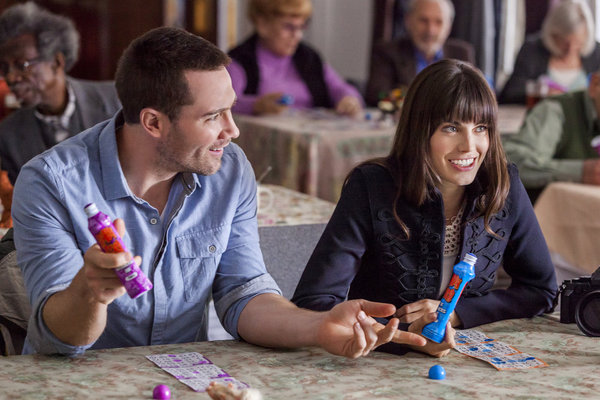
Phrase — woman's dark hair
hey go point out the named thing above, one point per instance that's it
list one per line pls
(448, 90)
(151, 70)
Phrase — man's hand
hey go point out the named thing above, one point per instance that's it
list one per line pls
(99, 279)
(411, 312)
(591, 172)
(348, 329)
(268, 104)
(433, 348)
(348, 105)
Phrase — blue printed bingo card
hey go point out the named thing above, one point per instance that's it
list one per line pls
(194, 370)
(501, 355)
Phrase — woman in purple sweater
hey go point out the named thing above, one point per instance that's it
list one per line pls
(445, 189)
(274, 62)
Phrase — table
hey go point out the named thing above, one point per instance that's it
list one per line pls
(510, 118)
(569, 215)
(280, 206)
(311, 373)
(313, 151)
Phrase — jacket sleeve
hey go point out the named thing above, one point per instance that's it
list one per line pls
(527, 261)
(337, 257)
(534, 147)
(381, 75)
(527, 66)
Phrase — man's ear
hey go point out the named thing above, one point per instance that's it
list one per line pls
(59, 61)
(153, 121)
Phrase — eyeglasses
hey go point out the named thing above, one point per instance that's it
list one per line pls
(18, 66)
(293, 28)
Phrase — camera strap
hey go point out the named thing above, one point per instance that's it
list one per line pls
(557, 298)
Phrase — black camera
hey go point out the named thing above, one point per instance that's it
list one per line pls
(580, 303)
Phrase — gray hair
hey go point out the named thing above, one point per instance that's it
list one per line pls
(53, 33)
(412, 4)
(563, 19)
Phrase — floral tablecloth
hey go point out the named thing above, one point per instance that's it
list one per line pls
(573, 367)
(311, 152)
(282, 206)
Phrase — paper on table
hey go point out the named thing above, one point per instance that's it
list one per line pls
(499, 354)
(194, 370)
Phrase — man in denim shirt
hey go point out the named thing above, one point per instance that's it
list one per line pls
(187, 196)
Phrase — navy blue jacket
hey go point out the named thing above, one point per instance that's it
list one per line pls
(364, 254)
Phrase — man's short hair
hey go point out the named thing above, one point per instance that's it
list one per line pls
(151, 70)
(449, 7)
(53, 33)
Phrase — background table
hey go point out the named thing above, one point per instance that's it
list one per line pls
(569, 215)
(309, 373)
(280, 206)
(313, 151)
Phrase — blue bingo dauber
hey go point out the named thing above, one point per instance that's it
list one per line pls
(464, 271)
(286, 100)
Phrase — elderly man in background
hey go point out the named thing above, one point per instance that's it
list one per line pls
(554, 142)
(37, 48)
(395, 64)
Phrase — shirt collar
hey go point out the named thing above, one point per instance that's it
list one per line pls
(63, 119)
(421, 60)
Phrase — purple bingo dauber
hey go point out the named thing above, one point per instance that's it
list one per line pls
(131, 276)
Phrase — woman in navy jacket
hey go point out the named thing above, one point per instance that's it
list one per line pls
(445, 189)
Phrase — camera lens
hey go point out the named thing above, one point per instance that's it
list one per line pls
(587, 313)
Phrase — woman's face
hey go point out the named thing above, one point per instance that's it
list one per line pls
(457, 150)
(570, 45)
(281, 35)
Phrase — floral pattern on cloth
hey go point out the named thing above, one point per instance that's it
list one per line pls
(454, 233)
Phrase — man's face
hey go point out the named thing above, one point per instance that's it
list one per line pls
(33, 80)
(428, 26)
(197, 137)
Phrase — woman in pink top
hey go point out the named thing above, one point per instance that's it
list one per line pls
(274, 66)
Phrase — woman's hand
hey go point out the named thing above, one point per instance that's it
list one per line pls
(268, 104)
(411, 312)
(432, 348)
(348, 105)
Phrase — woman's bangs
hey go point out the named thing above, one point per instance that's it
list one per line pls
(471, 102)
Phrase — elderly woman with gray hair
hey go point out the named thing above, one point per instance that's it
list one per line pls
(565, 52)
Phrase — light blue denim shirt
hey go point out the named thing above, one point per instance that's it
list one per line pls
(206, 241)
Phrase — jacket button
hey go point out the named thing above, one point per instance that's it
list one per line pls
(212, 248)
(153, 221)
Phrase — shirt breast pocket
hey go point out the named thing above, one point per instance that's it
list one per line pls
(199, 255)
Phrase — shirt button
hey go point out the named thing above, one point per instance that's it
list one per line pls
(212, 248)
(153, 221)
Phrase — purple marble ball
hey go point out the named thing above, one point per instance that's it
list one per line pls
(161, 392)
